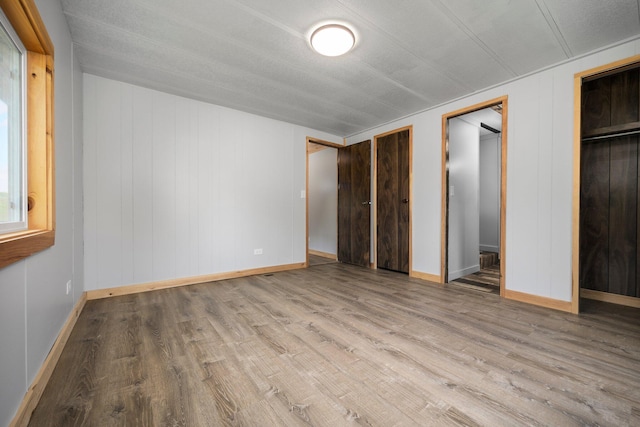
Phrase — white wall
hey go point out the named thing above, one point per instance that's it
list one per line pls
(34, 303)
(177, 188)
(539, 175)
(464, 233)
(323, 201)
(489, 193)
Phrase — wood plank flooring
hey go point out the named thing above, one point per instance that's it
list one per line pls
(485, 280)
(339, 345)
(315, 260)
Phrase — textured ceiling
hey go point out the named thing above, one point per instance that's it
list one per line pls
(253, 55)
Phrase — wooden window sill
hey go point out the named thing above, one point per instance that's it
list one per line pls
(17, 246)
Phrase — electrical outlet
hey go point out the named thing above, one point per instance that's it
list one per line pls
(257, 251)
(68, 287)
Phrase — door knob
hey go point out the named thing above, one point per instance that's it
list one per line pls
(366, 203)
(405, 200)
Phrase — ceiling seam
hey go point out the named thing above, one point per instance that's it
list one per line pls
(390, 36)
(266, 18)
(555, 28)
(473, 36)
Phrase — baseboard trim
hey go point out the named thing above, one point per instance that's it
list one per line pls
(174, 283)
(453, 275)
(611, 298)
(426, 276)
(323, 254)
(489, 248)
(538, 300)
(34, 393)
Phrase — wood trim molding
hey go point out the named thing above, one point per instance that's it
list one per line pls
(426, 276)
(575, 198)
(325, 143)
(391, 132)
(323, 254)
(576, 292)
(611, 298)
(34, 393)
(27, 23)
(306, 203)
(444, 199)
(538, 300)
(13, 248)
(503, 194)
(504, 101)
(174, 283)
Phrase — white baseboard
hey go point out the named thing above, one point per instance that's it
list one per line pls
(489, 248)
(453, 275)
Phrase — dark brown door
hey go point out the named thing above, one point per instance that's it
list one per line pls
(354, 200)
(609, 238)
(393, 201)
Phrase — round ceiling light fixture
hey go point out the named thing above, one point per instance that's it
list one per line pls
(332, 40)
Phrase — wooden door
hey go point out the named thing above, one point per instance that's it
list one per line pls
(393, 201)
(354, 203)
(609, 238)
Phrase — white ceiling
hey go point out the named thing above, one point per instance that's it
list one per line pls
(253, 55)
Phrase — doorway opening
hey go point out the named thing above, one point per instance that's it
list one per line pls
(321, 202)
(606, 185)
(474, 152)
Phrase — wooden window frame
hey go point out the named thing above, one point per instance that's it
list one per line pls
(25, 19)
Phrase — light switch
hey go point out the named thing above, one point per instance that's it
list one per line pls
(451, 192)
(303, 194)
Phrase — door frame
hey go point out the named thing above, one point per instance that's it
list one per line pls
(577, 152)
(444, 218)
(311, 140)
(374, 178)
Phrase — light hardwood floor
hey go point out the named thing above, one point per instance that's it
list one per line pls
(337, 345)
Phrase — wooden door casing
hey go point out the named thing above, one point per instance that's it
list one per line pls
(392, 201)
(354, 204)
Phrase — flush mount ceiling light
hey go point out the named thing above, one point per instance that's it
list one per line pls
(332, 40)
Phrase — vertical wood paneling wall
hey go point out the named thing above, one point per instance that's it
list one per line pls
(176, 188)
(539, 175)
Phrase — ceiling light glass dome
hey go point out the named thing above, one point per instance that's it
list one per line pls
(332, 40)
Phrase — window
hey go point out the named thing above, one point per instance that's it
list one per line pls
(27, 220)
(12, 154)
